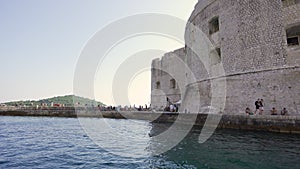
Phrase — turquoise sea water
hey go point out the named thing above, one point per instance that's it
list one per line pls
(29, 142)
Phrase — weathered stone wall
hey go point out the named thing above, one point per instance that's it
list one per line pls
(278, 88)
(291, 15)
(163, 71)
(282, 124)
(251, 33)
(291, 18)
(256, 59)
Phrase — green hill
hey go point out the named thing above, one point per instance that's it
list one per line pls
(65, 100)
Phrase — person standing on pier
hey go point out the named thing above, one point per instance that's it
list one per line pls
(257, 105)
(261, 107)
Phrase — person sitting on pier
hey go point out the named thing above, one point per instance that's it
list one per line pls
(284, 112)
(273, 111)
(248, 111)
(172, 108)
(175, 108)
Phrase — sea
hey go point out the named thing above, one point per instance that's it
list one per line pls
(50, 142)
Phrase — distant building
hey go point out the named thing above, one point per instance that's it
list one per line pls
(57, 105)
(44, 105)
(3, 105)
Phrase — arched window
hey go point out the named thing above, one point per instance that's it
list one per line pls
(157, 85)
(172, 83)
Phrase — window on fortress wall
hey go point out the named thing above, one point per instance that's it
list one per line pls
(293, 35)
(219, 51)
(214, 25)
(292, 41)
(172, 83)
(157, 85)
(286, 3)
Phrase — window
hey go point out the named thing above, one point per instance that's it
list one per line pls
(219, 51)
(214, 25)
(293, 41)
(293, 35)
(172, 83)
(286, 3)
(157, 85)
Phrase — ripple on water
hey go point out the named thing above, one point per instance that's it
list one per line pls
(28, 142)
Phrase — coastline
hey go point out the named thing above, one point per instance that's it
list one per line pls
(280, 124)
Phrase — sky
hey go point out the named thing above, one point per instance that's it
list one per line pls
(41, 42)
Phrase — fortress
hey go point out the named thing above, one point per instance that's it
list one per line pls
(257, 43)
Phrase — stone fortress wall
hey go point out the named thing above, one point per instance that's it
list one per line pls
(165, 83)
(257, 42)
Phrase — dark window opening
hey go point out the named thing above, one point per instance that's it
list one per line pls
(172, 83)
(219, 51)
(293, 41)
(214, 25)
(293, 35)
(157, 85)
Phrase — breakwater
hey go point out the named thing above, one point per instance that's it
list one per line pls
(283, 124)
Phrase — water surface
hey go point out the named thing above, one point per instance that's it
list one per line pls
(41, 142)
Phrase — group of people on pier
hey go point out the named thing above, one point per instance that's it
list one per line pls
(125, 108)
(259, 109)
(171, 108)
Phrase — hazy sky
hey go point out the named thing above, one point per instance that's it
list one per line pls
(42, 40)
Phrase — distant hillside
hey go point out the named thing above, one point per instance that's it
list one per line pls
(65, 100)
